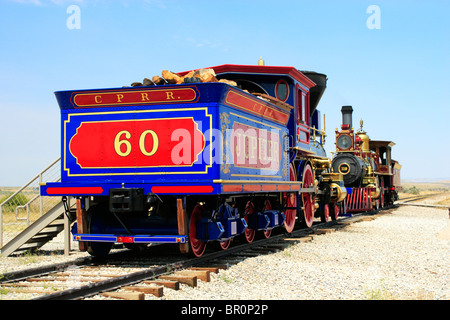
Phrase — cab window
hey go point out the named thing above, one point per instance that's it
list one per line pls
(302, 112)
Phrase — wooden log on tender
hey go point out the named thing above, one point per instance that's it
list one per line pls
(190, 74)
(158, 80)
(148, 82)
(192, 80)
(206, 75)
(230, 82)
(209, 78)
(171, 77)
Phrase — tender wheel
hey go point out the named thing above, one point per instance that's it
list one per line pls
(290, 199)
(96, 225)
(198, 247)
(99, 249)
(324, 213)
(249, 233)
(308, 199)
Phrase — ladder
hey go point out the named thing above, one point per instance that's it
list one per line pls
(28, 221)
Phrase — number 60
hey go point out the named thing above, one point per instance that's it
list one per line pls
(118, 142)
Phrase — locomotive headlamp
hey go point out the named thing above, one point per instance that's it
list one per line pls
(344, 142)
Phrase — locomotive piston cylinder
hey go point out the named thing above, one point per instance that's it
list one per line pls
(339, 193)
(376, 192)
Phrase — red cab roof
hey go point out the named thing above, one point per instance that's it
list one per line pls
(256, 69)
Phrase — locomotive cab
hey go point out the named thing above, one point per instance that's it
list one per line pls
(387, 169)
(300, 91)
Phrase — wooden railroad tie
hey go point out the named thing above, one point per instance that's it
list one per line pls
(342, 224)
(157, 291)
(189, 280)
(210, 269)
(190, 276)
(367, 218)
(203, 275)
(174, 285)
(323, 231)
(301, 239)
(125, 295)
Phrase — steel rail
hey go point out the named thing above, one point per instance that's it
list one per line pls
(20, 275)
(439, 206)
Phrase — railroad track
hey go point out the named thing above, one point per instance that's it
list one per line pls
(153, 271)
(411, 201)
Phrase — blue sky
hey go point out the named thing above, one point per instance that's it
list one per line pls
(396, 77)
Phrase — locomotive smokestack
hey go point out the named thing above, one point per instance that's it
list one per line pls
(347, 116)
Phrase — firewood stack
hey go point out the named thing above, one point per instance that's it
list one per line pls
(168, 77)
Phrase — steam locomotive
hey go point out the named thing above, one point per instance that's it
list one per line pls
(370, 174)
(205, 156)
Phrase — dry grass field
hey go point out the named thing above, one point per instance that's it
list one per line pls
(439, 188)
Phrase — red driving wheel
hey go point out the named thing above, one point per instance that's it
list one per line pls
(324, 213)
(334, 211)
(308, 198)
(249, 233)
(290, 199)
(267, 207)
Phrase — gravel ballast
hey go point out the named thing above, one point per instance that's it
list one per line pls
(403, 255)
(399, 255)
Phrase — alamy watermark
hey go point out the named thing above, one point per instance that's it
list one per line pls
(74, 20)
(374, 20)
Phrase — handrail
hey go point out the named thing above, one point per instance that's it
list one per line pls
(321, 133)
(39, 175)
(37, 180)
(27, 206)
